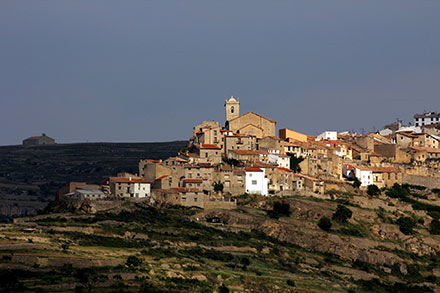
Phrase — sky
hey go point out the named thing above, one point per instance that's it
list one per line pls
(147, 71)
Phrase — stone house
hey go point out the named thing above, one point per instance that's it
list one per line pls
(209, 153)
(209, 135)
(192, 197)
(426, 140)
(244, 155)
(270, 143)
(386, 176)
(297, 182)
(422, 154)
(233, 179)
(311, 184)
(405, 139)
(203, 172)
(38, 140)
(238, 142)
(71, 187)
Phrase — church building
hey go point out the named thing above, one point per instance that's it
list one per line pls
(249, 123)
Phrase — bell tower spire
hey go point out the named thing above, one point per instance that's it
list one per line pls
(232, 108)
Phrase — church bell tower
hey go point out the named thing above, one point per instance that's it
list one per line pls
(232, 108)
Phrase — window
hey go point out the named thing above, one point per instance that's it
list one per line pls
(254, 182)
(183, 198)
(195, 199)
(232, 109)
(215, 132)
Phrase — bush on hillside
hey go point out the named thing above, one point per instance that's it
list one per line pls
(356, 183)
(434, 227)
(372, 189)
(342, 214)
(406, 225)
(280, 209)
(325, 224)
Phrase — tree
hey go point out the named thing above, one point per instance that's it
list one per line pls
(372, 189)
(294, 163)
(434, 227)
(325, 224)
(356, 183)
(218, 187)
(133, 261)
(65, 246)
(245, 262)
(89, 277)
(223, 289)
(406, 225)
(280, 209)
(342, 214)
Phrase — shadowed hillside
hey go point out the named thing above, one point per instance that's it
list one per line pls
(30, 177)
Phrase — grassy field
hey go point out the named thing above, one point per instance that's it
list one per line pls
(139, 248)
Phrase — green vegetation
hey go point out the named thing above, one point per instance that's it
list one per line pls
(406, 225)
(372, 189)
(294, 162)
(434, 227)
(342, 214)
(356, 183)
(325, 224)
(218, 187)
(280, 209)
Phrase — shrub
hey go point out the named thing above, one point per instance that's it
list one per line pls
(290, 283)
(218, 187)
(134, 261)
(406, 225)
(398, 191)
(280, 209)
(325, 224)
(356, 183)
(223, 289)
(342, 214)
(372, 189)
(434, 227)
(436, 191)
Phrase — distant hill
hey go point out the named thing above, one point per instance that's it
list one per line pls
(30, 177)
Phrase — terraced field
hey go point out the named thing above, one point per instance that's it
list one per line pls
(134, 247)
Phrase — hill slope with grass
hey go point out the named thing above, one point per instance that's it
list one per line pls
(265, 245)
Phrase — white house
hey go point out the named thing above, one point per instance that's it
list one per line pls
(142, 189)
(328, 135)
(364, 174)
(256, 181)
(426, 118)
(275, 157)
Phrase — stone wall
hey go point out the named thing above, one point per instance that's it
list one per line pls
(429, 182)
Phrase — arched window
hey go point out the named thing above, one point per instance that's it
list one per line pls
(232, 109)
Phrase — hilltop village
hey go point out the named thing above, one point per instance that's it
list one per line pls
(247, 156)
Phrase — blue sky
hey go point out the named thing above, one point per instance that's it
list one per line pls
(128, 71)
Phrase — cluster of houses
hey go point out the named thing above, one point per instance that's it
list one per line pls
(246, 156)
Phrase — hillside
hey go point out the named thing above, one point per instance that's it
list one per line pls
(30, 177)
(265, 245)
